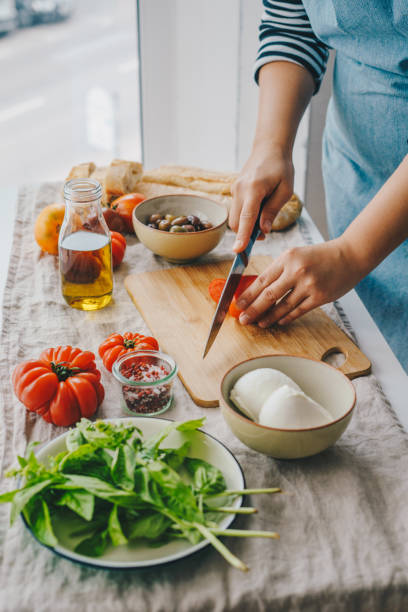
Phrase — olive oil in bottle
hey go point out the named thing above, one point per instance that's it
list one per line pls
(85, 252)
(86, 270)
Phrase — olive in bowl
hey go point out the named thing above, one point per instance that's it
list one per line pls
(180, 227)
(177, 224)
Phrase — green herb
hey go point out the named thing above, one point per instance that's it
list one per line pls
(121, 487)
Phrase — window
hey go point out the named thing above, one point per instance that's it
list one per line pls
(69, 88)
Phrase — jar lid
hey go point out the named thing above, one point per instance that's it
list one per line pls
(82, 190)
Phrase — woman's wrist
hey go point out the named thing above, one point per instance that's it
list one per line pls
(354, 256)
(272, 148)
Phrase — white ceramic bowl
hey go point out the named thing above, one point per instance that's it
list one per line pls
(136, 555)
(320, 381)
(180, 247)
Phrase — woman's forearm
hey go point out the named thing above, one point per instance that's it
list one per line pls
(285, 92)
(382, 225)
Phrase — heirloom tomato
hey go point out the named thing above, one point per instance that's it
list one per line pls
(116, 345)
(62, 385)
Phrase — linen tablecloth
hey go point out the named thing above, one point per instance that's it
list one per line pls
(342, 518)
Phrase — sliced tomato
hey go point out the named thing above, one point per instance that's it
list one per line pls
(217, 285)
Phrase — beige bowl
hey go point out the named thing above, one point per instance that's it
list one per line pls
(180, 248)
(320, 381)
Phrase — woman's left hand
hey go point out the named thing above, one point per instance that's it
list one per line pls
(299, 280)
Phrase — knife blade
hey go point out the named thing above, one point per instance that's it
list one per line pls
(237, 269)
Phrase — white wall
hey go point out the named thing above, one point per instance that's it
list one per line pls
(199, 98)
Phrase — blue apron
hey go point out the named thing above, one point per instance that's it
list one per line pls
(366, 135)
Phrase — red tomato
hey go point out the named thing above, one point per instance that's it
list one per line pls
(244, 283)
(125, 205)
(62, 386)
(116, 345)
(217, 285)
(118, 248)
(215, 288)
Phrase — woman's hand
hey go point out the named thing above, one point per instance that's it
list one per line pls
(299, 280)
(267, 175)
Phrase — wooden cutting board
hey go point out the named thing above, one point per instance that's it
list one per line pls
(176, 305)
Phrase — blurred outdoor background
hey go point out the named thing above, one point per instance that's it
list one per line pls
(69, 88)
(72, 90)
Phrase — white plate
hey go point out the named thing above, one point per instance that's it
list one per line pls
(203, 446)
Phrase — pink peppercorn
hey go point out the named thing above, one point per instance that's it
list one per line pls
(140, 373)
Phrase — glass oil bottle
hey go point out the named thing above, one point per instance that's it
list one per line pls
(84, 246)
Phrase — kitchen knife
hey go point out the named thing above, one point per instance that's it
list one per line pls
(237, 269)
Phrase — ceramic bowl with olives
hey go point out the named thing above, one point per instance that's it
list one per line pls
(180, 227)
(177, 223)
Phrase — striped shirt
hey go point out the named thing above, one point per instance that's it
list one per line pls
(285, 34)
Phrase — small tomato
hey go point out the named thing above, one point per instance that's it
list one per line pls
(116, 345)
(216, 287)
(47, 227)
(118, 248)
(114, 221)
(125, 205)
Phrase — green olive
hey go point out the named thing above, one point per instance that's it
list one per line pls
(164, 225)
(169, 217)
(180, 221)
(177, 229)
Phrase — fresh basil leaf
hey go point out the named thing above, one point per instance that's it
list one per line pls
(101, 489)
(8, 497)
(88, 528)
(23, 496)
(74, 439)
(40, 523)
(85, 460)
(151, 447)
(178, 495)
(123, 467)
(191, 425)
(115, 529)
(207, 478)
(151, 526)
(94, 546)
(105, 434)
(81, 502)
(146, 488)
(22, 461)
(174, 457)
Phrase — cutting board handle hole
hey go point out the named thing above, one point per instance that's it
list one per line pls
(334, 357)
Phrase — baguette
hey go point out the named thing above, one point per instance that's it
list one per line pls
(190, 177)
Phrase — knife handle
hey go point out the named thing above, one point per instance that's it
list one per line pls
(254, 235)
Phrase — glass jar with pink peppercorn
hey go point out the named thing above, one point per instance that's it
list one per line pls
(146, 379)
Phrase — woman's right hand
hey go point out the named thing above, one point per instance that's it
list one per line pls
(267, 175)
